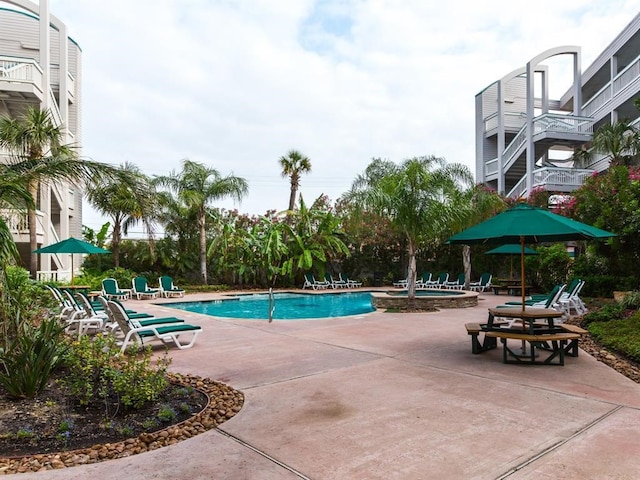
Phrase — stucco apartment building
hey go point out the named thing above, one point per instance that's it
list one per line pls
(41, 66)
(525, 139)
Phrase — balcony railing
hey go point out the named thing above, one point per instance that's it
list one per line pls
(612, 89)
(569, 178)
(21, 70)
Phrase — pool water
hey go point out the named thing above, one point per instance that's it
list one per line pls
(288, 306)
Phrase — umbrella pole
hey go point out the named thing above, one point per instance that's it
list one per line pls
(72, 269)
(522, 291)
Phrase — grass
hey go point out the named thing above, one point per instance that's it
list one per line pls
(621, 335)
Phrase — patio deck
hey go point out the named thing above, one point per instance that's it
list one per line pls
(390, 396)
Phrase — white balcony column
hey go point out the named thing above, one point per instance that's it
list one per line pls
(63, 96)
(544, 82)
(45, 53)
(577, 83)
(613, 71)
(529, 126)
(501, 137)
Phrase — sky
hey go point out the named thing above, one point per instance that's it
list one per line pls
(236, 84)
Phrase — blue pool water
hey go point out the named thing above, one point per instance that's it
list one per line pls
(288, 306)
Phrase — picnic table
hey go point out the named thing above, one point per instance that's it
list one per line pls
(511, 288)
(537, 328)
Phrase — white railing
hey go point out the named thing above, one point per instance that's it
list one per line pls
(511, 120)
(53, 275)
(554, 122)
(627, 76)
(519, 190)
(511, 152)
(491, 167)
(54, 109)
(570, 178)
(18, 222)
(22, 70)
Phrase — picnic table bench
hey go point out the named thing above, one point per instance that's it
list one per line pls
(560, 341)
(554, 343)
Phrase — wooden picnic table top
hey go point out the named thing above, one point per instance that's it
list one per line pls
(528, 313)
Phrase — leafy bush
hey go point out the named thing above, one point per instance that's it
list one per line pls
(607, 313)
(622, 335)
(98, 374)
(30, 357)
(550, 268)
(631, 300)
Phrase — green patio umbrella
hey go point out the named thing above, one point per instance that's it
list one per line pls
(511, 249)
(525, 223)
(71, 245)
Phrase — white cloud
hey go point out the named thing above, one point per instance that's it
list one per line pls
(236, 84)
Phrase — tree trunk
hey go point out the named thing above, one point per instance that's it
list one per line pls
(292, 197)
(466, 262)
(33, 231)
(203, 247)
(115, 242)
(411, 277)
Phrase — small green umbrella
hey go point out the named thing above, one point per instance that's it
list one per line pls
(525, 223)
(511, 249)
(71, 245)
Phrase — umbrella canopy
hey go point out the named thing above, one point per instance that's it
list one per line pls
(525, 223)
(71, 245)
(511, 249)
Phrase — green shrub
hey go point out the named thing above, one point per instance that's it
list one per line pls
(621, 335)
(29, 358)
(166, 413)
(631, 300)
(98, 375)
(607, 313)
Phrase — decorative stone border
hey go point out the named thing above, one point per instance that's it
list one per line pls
(393, 299)
(223, 403)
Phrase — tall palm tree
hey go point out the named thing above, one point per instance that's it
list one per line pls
(37, 155)
(419, 198)
(127, 201)
(620, 140)
(196, 186)
(293, 165)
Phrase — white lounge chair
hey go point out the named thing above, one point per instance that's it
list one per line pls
(136, 333)
(310, 281)
(168, 289)
(483, 284)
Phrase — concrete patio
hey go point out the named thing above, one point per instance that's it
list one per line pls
(390, 396)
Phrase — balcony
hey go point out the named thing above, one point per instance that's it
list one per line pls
(555, 179)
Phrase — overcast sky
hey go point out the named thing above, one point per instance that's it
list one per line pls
(235, 84)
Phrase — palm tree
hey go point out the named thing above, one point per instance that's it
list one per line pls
(419, 198)
(128, 200)
(293, 165)
(196, 187)
(620, 140)
(37, 155)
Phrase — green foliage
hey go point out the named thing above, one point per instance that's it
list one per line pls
(98, 374)
(611, 201)
(622, 335)
(631, 300)
(606, 313)
(122, 275)
(166, 413)
(30, 357)
(550, 268)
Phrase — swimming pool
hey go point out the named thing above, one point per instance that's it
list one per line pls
(288, 306)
